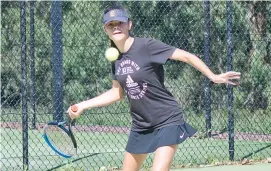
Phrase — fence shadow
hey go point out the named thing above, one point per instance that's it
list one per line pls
(72, 161)
(252, 153)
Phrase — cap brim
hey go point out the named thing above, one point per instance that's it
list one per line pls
(121, 19)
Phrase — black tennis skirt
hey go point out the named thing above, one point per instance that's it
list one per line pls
(148, 141)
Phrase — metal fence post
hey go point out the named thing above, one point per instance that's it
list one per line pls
(207, 91)
(230, 91)
(57, 59)
(24, 84)
(32, 64)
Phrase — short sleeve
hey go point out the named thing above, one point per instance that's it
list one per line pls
(159, 52)
(113, 74)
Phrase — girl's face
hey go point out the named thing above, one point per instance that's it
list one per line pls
(117, 30)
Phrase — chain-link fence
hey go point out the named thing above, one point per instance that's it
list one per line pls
(52, 55)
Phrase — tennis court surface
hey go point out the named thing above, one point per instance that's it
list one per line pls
(253, 167)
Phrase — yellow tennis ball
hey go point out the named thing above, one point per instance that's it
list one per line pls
(111, 54)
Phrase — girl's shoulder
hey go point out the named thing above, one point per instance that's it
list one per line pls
(145, 40)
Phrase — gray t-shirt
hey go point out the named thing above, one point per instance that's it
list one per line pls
(140, 73)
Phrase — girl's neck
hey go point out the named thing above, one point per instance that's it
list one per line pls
(125, 45)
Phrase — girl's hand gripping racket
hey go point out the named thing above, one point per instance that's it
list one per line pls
(60, 138)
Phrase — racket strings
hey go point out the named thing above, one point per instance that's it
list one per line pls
(60, 140)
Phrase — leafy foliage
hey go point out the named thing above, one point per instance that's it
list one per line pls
(180, 24)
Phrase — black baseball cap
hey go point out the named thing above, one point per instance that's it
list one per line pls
(115, 15)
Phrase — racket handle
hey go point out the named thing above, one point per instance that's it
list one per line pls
(74, 108)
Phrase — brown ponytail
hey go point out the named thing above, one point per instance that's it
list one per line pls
(112, 44)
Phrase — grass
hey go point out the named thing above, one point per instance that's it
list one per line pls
(97, 150)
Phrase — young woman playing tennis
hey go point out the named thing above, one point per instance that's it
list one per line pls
(157, 120)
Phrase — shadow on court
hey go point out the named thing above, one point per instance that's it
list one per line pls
(253, 153)
(72, 161)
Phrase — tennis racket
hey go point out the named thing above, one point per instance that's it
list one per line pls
(59, 136)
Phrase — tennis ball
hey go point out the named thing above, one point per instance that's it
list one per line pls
(111, 54)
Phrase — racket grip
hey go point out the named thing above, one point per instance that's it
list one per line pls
(74, 108)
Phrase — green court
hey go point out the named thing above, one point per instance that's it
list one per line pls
(253, 167)
(106, 150)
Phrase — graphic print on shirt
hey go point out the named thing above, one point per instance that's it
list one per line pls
(134, 89)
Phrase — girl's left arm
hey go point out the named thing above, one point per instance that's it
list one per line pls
(184, 56)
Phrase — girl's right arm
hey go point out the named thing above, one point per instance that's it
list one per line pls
(108, 97)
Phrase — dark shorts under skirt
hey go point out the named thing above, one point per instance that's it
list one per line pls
(148, 141)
